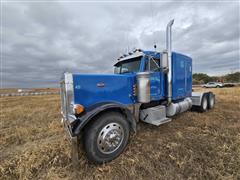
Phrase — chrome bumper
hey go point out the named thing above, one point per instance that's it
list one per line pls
(73, 140)
(67, 121)
(66, 86)
(67, 129)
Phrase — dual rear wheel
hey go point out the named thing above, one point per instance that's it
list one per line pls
(207, 102)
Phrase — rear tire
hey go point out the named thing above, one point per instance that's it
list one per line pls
(204, 103)
(211, 100)
(106, 138)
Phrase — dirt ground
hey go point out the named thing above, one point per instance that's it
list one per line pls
(192, 146)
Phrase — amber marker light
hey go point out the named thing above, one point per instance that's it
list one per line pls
(78, 108)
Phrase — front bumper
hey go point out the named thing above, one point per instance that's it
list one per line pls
(67, 130)
(67, 96)
(73, 140)
(67, 124)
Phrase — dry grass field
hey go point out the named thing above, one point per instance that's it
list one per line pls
(192, 146)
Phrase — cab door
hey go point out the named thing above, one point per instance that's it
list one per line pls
(155, 83)
(153, 66)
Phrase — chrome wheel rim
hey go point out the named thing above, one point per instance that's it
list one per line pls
(110, 138)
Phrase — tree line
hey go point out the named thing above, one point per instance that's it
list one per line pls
(201, 78)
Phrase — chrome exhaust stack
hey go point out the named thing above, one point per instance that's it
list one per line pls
(169, 52)
(173, 108)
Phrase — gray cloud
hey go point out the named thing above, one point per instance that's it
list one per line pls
(42, 40)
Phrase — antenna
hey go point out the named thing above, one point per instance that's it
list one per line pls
(128, 30)
(154, 40)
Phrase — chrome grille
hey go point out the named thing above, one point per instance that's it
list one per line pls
(63, 98)
(66, 86)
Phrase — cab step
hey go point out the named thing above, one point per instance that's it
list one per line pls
(154, 115)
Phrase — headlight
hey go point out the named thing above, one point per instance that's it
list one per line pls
(78, 108)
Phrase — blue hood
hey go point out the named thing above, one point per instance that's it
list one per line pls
(90, 89)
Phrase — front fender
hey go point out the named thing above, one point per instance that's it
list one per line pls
(99, 108)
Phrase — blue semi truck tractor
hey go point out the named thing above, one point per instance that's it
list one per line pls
(101, 110)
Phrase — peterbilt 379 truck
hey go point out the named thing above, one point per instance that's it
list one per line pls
(101, 110)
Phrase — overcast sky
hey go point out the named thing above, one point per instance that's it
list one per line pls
(40, 40)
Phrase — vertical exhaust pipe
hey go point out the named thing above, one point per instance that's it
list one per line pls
(169, 51)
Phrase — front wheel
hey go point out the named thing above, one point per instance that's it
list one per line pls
(106, 137)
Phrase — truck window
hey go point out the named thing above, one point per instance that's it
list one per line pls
(130, 65)
(152, 65)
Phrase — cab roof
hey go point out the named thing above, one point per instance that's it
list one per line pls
(138, 53)
(135, 54)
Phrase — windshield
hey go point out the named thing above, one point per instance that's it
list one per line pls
(128, 66)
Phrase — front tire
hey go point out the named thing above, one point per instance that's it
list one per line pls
(106, 138)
